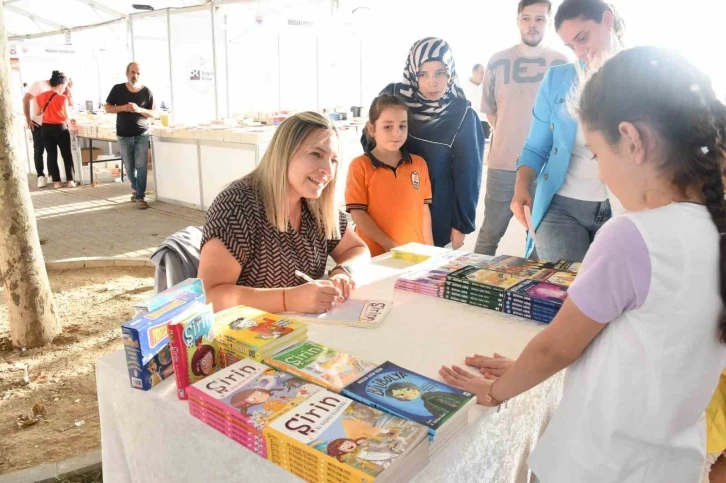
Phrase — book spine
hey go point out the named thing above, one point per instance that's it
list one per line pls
(198, 397)
(307, 463)
(524, 298)
(481, 294)
(528, 315)
(237, 350)
(179, 359)
(134, 361)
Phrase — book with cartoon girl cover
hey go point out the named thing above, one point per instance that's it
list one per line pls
(409, 395)
(331, 434)
(252, 392)
(193, 344)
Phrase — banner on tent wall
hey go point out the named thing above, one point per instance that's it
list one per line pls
(201, 73)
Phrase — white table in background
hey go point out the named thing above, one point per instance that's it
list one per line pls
(150, 436)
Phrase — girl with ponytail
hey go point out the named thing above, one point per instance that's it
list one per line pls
(642, 331)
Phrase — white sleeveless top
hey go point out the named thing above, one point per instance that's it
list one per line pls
(633, 403)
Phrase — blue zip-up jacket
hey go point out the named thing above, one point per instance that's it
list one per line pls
(552, 135)
(454, 151)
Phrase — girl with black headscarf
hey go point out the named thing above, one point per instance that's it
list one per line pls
(446, 132)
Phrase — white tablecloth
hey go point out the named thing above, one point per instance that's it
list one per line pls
(150, 436)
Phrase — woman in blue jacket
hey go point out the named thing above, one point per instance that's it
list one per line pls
(446, 132)
(571, 202)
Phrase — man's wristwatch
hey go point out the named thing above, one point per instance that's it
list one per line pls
(347, 269)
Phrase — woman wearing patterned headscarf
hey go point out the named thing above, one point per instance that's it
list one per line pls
(446, 132)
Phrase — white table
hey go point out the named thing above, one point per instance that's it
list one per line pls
(150, 436)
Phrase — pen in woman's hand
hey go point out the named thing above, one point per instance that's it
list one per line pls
(307, 278)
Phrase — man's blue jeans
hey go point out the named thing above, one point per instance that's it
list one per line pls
(134, 154)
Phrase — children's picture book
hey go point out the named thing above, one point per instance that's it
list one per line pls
(331, 435)
(146, 341)
(409, 395)
(255, 333)
(194, 347)
(321, 364)
(368, 314)
(252, 392)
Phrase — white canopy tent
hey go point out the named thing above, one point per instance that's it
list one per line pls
(30, 19)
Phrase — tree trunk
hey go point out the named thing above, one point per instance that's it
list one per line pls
(33, 320)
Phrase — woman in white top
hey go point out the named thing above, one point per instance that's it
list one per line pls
(643, 327)
(571, 202)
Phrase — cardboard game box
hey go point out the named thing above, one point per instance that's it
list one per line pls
(193, 285)
(146, 341)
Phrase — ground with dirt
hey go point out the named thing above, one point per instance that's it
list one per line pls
(58, 382)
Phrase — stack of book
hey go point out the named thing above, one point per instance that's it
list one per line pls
(331, 438)
(309, 431)
(443, 409)
(321, 365)
(242, 399)
(430, 278)
(480, 287)
(534, 300)
(416, 252)
(513, 285)
(246, 332)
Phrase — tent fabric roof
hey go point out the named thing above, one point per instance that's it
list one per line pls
(27, 17)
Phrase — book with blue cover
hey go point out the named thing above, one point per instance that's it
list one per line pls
(409, 395)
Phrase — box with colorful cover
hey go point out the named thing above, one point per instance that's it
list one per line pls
(146, 341)
(193, 285)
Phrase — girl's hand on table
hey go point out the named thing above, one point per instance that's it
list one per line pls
(477, 385)
(495, 366)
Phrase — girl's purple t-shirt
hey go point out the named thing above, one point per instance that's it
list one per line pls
(615, 274)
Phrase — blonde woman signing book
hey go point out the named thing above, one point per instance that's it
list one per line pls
(280, 219)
